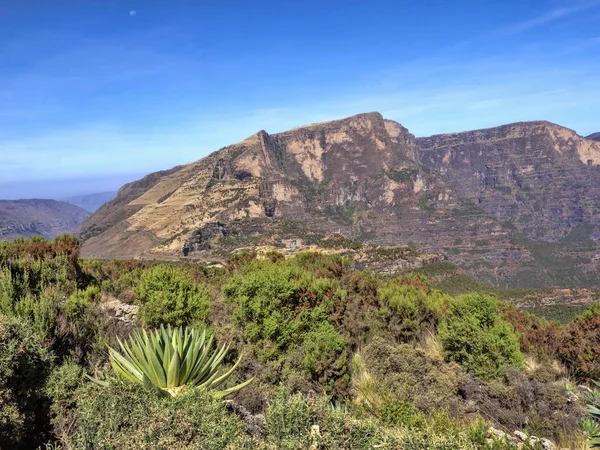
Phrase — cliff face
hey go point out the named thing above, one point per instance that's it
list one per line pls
(540, 183)
(350, 175)
(490, 200)
(46, 218)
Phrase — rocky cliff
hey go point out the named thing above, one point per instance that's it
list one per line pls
(510, 205)
(46, 218)
(536, 184)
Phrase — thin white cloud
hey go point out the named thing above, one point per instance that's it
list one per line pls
(548, 17)
(438, 93)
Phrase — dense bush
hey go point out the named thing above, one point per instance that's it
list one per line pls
(125, 416)
(411, 310)
(61, 389)
(580, 349)
(25, 364)
(283, 310)
(32, 265)
(167, 296)
(294, 422)
(78, 302)
(575, 345)
(414, 375)
(475, 336)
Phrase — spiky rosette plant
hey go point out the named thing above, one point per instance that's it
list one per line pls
(171, 359)
(591, 427)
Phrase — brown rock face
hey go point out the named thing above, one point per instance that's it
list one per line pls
(540, 183)
(46, 218)
(503, 203)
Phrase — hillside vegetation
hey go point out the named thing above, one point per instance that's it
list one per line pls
(318, 355)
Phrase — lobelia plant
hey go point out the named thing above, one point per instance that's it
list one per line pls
(171, 359)
(590, 425)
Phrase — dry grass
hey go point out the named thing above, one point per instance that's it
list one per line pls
(365, 385)
(532, 365)
(431, 346)
(572, 440)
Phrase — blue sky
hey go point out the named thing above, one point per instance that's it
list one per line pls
(96, 92)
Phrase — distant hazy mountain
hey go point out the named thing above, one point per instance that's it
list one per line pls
(594, 136)
(91, 202)
(46, 218)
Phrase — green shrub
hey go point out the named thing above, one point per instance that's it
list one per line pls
(78, 302)
(394, 412)
(475, 336)
(289, 420)
(61, 388)
(25, 365)
(295, 422)
(125, 416)
(284, 311)
(168, 296)
(407, 373)
(321, 348)
(409, 310)
(42, 311)
(35, 276)
(340, 430)
(275, 303)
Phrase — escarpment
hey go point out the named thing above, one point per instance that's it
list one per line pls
(517, 205)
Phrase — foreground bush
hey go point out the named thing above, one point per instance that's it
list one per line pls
(125, 416)
(390, 376)
(387, 351)
(295, 422)
(475, 336)
(24, 367)
(171, 359)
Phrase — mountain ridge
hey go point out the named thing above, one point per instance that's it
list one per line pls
(369, 178)
(594, 136)
(38, 217)
(91, 202)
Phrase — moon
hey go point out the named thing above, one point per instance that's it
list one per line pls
(132, 13)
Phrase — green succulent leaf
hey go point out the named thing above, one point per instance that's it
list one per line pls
(170, 358)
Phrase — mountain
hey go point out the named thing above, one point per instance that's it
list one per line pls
(514, 205)
(594, 136)
(46, 218)
(91, 202)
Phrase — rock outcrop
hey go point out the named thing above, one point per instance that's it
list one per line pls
(511, 205)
